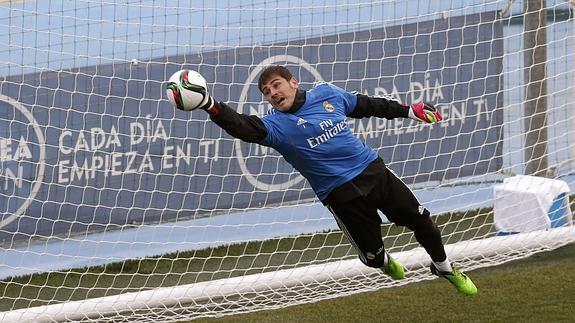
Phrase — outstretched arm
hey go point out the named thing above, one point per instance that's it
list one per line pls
(187, 90)
(368, 106)
(244, 127)
(390, 109)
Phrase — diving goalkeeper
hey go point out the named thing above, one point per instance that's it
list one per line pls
(309, 129)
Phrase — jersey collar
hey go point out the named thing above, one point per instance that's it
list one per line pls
(298, 102)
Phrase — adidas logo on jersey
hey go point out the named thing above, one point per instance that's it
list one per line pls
(301, 122)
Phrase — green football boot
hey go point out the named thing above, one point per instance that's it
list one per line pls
(462, 283)
(393, 268)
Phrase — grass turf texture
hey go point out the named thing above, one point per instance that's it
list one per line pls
(535, 289)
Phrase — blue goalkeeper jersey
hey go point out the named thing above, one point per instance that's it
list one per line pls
(317, 141)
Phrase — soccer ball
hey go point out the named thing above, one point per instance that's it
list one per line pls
(187, 90)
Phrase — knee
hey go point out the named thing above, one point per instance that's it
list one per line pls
(422, 221)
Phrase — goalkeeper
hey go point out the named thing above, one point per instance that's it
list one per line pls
(309, 129)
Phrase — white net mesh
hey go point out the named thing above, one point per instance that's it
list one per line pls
(107, 191)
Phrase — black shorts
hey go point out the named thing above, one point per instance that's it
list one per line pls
(378, 188)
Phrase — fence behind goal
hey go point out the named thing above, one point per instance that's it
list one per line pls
(117, 206)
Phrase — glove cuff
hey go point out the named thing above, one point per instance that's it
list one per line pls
(214, 108)
(412, 115)
(209, 103)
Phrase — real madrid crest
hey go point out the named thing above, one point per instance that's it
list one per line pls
(328, 107)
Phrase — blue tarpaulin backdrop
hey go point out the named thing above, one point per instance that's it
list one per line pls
(99, 146)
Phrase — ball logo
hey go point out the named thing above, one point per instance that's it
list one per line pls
(22, 156)
(283, 182)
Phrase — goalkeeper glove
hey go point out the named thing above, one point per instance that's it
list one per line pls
(424, 112)
(209, 102)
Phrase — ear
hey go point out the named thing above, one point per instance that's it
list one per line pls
(294, 83)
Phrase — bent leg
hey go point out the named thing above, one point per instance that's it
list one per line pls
(400, 205)
(361, 224)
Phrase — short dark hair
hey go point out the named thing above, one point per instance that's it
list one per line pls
(271, 71)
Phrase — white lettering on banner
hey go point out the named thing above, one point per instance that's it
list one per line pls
(22, 159)
(417, 92)
(119, 163)
(424, 91)
(115, 164)
(146, 164)
(89, 140)
(148, 131)
(206, 146)
(18, 152)
(96, 138)
(104, 160)
(130, 165)
(16, 179)
(480, 106)
(455, 113)
(180, 155)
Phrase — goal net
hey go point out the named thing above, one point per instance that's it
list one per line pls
(116, 206)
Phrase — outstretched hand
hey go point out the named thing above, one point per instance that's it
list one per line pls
(424, 112)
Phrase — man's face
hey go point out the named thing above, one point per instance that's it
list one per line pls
(280, 92)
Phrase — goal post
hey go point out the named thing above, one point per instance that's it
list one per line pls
(115, 204)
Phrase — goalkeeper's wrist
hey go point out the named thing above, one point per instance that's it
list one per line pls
(212, 107)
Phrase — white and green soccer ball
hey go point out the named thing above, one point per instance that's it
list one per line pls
(187, 90)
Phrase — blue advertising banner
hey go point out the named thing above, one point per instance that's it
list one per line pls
(100, 147)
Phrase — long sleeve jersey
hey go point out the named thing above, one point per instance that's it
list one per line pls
(313, 136)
